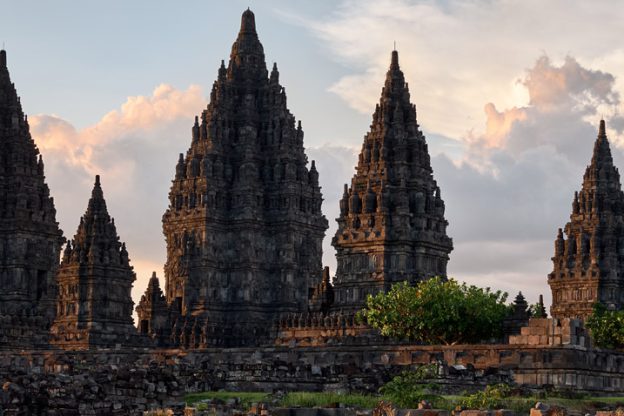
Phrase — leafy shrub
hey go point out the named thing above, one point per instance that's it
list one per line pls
(606, 327)
(437, 311)
(493, 397)
(408, 389)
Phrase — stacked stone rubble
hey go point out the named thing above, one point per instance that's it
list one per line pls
(30, 239)
(588, 263)
(391, 226)
(244, 226)
(94, 307)
(552, 331)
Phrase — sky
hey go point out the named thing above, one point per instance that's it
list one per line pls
(508, 93)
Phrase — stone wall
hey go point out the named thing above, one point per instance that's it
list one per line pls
(549, 331)
(318, 329)
(128, 382)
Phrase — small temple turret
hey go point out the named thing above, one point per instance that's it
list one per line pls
(153, 313)
(322, 295)
(588, 266)
(94, 306)
(391, 226)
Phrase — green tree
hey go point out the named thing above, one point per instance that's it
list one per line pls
(606, 327)
(537, 311)
(437, 311)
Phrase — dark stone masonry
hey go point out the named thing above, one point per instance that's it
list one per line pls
(247, 303)
(391, 226)
(589, 259)
(30, 239)
(94, 307)
(244, 227)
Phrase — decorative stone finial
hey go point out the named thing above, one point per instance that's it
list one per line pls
(394, 63)
(3, 59)
(602, 131)
(248, 22)
(274, 74)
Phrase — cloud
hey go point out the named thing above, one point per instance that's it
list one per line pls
(460, 54)
(498, 125)
(134, 149)
(513, 186)
(570, 85)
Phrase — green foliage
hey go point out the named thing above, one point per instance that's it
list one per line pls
(324, 399)
(246, 398)
(521, 405)
(435, 311)
(537, 311)
(606, 327)
(493, 397)
(408, 389)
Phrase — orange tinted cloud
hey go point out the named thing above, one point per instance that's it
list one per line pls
(499, 124)
(134, 148)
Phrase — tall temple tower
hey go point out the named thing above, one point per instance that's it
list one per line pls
(391, 226)
(244, 225)
(30, 238)
(589, 259)
(94, 307)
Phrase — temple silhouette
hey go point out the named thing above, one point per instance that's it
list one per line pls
(244, 229)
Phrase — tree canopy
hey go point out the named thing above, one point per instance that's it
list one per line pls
(437, 311)
(606, 327)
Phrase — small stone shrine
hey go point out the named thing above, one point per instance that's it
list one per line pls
(94, 307)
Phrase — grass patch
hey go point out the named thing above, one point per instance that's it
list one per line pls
(323, 399)
(246, 398)
(369, 401)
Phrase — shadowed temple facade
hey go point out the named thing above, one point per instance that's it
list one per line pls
(244, 227)
(588, 264)
(30, 238)
(391, 226)
(94, 307)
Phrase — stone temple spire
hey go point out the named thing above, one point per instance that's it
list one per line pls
(30, 239)
(391, 226)
(244, 227)
(588, 264)
(94, 307)
(247, 57)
